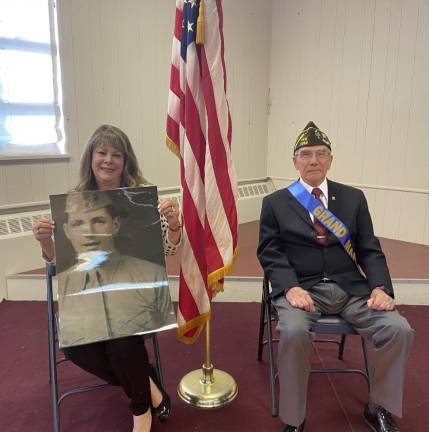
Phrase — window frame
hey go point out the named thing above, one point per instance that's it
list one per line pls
(49, 150)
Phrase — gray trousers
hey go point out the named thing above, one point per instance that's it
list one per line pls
(388, 333)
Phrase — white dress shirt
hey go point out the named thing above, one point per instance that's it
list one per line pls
(323, 196)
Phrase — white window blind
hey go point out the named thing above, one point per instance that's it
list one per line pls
(30, 95)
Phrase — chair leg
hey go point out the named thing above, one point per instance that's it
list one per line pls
(261, 329)
(274, 412)
(158, 359)
(365, 357)
(49, 354)
(52, 358)
(341, 347)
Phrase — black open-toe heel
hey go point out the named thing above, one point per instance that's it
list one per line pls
(163, 410)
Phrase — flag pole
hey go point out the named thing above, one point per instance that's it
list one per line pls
(207, 387)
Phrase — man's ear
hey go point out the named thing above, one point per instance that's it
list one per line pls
(330, 163)
(116, 224)
(294, 161)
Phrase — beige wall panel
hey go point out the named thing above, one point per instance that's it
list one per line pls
(56, 177)
(38, 183)
(18, 181)
(277, 81)
(109, 61)
(426, 228)
(354, 71)
(416, 164)
(374, 144)
(322, 91)
(371, 198)
(285, 54)
(68, 86)
(412, 217)
(364, 64)
(102, 57)
(3, 186)
(377, 211)
(338, 22)
(382, 151)
(308, 57)
(132, 72)
(156, 37)
(247, 62)
(404, 76)
(391, 215)
(83, 66)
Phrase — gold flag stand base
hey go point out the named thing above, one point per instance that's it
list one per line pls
(207, 388)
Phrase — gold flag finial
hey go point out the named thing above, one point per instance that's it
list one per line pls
(200, 24)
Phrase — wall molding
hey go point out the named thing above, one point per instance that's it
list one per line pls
(366, 186)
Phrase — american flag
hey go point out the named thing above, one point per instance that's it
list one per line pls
(199, 132)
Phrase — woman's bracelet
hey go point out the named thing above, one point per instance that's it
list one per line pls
(175, 229)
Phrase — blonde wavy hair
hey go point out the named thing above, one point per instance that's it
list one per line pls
(131, 175)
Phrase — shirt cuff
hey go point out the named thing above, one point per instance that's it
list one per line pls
(47, 261)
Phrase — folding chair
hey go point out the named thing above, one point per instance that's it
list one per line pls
(326, 324)
(54, 361)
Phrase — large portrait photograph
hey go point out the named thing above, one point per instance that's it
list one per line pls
(112, 279)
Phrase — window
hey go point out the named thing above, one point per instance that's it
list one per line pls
(31, 121)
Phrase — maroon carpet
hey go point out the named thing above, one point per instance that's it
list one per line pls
(335, 402)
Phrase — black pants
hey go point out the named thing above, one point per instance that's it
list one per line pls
(121, 362)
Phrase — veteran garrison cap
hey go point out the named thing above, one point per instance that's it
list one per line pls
(87, 201)
(311, 136)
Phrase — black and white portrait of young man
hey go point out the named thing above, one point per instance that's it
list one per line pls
(112, 280)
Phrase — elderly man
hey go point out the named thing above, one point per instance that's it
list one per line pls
(106, 295)
(318, 248)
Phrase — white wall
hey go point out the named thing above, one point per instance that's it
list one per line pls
(115, 58)
(359, 70)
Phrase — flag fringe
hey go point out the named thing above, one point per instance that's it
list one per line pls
(200, 25)
(214, 277)
(198, 323)
(173, 147)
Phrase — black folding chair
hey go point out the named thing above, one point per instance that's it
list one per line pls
(54, 361)
(326, 324)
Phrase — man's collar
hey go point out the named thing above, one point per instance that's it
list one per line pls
(323, 187)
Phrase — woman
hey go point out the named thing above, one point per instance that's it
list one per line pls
(109, 162)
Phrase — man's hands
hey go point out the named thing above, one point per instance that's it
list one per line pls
(299, 298)
(380, 300)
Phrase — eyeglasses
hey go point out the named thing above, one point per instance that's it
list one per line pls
(306, 155)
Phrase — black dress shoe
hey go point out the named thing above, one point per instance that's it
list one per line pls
(382, 421)
(289, 428)
(163, 410)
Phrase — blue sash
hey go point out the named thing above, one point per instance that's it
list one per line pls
(324, 216)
